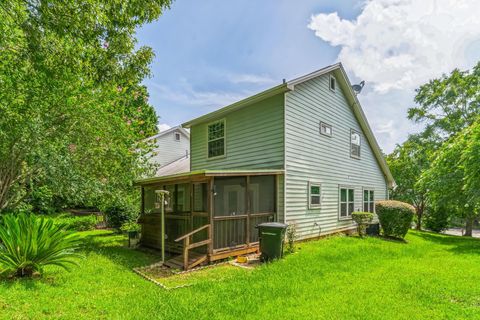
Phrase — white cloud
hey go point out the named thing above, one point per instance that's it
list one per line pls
(251, 79)
(400, 44)
(163, 127)
(397, 45)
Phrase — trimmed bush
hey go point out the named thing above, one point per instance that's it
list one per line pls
(395, 217)
(362, 219)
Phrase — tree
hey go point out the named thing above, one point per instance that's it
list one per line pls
(407, 162)
(450, 179)
(449, 104)
(72, 106)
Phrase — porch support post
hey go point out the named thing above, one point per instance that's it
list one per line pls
(162, 194)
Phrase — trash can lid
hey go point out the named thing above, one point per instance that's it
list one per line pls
(273, 225)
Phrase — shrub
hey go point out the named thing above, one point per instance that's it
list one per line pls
(395, 217)
(29, 243)
(362, 219)
(291, 237)
(77, 223)
(437, 220)
(118, 215)
(130, 226)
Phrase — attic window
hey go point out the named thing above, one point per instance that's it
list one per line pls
(325, 129)
(177, 136)
(354, 144)
(333, 83)
(216, 139)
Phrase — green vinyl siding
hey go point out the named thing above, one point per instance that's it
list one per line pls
(326, 160)
(254, 138)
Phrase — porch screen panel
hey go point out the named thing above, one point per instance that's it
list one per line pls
(200, 197)
(229, 197)
(229, 233)
(152, 202)
(183, 198)
(262, 194)
(254, 222)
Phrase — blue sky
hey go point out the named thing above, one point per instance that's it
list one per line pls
(211, 53)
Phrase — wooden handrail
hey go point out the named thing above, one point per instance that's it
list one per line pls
(187, 245)
(193, 232)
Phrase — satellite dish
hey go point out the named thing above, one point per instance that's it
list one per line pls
(357, 88)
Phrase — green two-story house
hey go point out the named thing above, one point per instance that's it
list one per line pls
(300, 153)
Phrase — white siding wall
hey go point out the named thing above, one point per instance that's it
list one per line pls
(169, 150)
(311, 156)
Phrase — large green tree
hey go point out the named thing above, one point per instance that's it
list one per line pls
(407, 162)
(450, 103)
(452, 179)
(72, 107)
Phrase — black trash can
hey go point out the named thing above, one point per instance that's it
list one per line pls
(271, 236)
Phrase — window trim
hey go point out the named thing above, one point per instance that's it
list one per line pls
(359, 146)
(369, 189)
(346, 187)
(224, 139)
(327, 125)
(310, 185)
(175, 134)
(330, 83)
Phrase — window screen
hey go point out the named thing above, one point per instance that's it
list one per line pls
(314, 195)
(354, 144)
(347, 202)
(368, 201)
(216, 139)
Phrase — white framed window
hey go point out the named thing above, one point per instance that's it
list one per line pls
(314, 195)
(332, 83)
(216, 139)
(355, 143)
(177, 136)
(347, 202)
(325, 129)
(369, 200)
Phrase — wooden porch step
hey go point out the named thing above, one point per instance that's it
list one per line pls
(194, 259)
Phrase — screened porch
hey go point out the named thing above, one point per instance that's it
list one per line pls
(232, 206)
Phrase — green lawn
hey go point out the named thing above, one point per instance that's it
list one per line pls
(431, 277)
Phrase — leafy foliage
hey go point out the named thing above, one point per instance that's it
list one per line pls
(130, 226)
(452, 180)
(29, 243)
(291, 234)
(450, 103)
(76, 223)
(395, 217)
(72, 103)
(407, 162)
(437, 219)
(362, 219)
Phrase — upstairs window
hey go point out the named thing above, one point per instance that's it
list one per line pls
(177, 136)
(332, 83)
(216, 139)
(347, 202)
(325, 129)
(354, 144)
(313, 195)
(368, 200)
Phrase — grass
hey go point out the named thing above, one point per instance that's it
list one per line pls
(432, 276)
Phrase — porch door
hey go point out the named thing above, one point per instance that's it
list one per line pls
(240, 204)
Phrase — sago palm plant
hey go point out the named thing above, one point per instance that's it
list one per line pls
(28, 243)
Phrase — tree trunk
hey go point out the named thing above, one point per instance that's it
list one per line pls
(469, 227)
(419, 211)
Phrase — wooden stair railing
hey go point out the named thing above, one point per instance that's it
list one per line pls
(187, 246)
